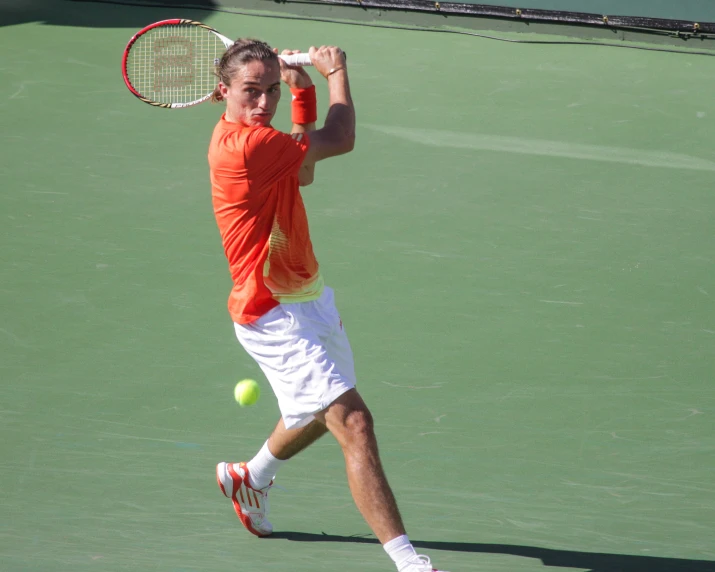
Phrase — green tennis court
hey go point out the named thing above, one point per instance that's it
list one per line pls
(523, 253)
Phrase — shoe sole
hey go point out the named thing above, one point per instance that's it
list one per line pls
(237, 481)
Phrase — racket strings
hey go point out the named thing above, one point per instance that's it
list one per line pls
(174, 63)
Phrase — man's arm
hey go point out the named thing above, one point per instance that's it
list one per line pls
(337, 136)
(307, 171)
(301, 86)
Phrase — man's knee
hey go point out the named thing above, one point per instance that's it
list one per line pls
(359, 422)
(349, 418)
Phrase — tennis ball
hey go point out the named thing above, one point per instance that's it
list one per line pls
(247, 392)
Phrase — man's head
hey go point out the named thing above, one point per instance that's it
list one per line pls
(249, 82)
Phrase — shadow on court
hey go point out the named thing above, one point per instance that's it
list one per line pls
(98, 13)
(593, 562)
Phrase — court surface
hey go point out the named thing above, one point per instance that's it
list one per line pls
(523, 254)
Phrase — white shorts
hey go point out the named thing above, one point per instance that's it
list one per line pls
(304, 353)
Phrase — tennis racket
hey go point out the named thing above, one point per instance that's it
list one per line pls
(171, 63)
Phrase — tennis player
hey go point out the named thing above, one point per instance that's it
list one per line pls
(283, 313)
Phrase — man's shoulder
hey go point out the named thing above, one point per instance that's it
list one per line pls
(257, 134)
(263, 142)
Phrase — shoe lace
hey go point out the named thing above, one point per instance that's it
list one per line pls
(418, 563)
(264, 496)
(263, 493)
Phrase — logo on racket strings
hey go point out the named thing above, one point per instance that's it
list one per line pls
(173, 63)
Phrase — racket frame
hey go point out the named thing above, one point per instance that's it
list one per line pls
(295, 59)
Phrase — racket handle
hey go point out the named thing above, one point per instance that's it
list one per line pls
(297, 60)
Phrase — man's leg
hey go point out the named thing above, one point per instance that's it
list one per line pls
(285, 443)
(350, 421)
(281, 446)
(246, 484)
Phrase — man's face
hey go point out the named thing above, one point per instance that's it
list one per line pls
(252, 97)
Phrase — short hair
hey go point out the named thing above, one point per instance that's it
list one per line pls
(239, 54)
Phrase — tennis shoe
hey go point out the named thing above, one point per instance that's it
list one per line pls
(251, 505)
(417, 563)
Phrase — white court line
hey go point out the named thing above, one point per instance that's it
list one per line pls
(524, 146)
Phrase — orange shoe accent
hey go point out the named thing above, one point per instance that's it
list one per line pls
(244, 497)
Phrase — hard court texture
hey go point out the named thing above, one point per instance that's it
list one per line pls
(523, 255)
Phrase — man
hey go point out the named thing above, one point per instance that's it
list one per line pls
(284, 315)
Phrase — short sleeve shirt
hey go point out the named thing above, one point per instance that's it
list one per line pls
(261, 217)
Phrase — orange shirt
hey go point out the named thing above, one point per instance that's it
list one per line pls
(261, 217)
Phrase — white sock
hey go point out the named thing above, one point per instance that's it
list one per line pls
(263, 468)
(399, 549)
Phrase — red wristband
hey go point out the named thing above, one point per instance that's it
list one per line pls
(304, 107)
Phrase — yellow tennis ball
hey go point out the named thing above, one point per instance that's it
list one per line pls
(247, 392)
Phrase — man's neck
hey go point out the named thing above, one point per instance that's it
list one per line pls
(230, 117)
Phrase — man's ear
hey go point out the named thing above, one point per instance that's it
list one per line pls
(223, 88)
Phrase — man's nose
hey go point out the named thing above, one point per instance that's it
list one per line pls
(263, 101)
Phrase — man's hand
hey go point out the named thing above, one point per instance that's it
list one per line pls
(294, 76)
(327, 58)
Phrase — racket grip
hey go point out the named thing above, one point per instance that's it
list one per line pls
(297, 60)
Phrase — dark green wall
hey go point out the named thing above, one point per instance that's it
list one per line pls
(696, 10)
(692, 10)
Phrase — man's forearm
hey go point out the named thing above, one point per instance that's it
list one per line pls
(342, 110)
(308, 169)
(303, 128)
